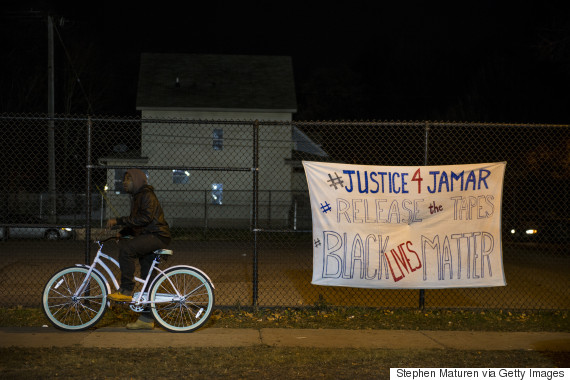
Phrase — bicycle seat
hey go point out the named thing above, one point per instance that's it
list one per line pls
(163, 252)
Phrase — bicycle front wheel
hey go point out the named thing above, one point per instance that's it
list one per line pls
(69, 311)
(182, 299)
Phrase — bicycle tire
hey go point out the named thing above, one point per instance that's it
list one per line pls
(70, 313)
(184, 314)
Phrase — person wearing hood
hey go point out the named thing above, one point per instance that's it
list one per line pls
(150, 231)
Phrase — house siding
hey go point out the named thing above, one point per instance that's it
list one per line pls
(190, 145)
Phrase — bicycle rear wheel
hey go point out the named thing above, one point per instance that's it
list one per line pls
(71, 312)
(183, 299)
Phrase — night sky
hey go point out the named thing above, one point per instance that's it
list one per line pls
(475, 61)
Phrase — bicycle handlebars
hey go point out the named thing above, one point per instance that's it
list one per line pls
(104, 240)
(98, 240)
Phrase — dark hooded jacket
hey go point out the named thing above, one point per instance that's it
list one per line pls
(146, 216)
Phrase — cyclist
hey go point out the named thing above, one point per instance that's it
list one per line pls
(150, 231)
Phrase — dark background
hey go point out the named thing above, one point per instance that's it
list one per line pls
(472, 61)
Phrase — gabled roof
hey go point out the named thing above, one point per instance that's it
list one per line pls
(216, 83)
(302, 143)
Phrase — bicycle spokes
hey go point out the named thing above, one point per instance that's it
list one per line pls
(182, 300)
(70, 308)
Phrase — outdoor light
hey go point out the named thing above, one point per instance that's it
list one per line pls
(106, 188)
(513, 231)
(531, 232)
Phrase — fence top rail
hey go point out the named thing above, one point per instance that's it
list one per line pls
(193, 168)
(126, 120)
(42, 225)
(412, 124)
(325, 123)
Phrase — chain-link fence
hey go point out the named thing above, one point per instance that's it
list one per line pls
(236, 198)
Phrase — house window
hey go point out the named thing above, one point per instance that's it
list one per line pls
(180, 177)
(119, 175)
(217, 193)
(218, 139)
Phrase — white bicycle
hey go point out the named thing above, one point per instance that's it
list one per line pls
(181, 298)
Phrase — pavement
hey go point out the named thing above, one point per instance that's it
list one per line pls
(114, 337)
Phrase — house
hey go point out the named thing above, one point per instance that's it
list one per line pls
(180, 96)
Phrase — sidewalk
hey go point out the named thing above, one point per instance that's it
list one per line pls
(330, 338)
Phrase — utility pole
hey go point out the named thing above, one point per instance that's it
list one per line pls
(32, 14)
(51, 126)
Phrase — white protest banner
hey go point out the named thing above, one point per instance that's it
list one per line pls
(406, 227)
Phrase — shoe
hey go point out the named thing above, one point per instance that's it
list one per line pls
(121, 296)
(140, 325)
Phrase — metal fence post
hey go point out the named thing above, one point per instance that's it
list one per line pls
(205, 213)
(255, 170)
(269, 209)
(423, 291)
(52, 212)
(88, 196)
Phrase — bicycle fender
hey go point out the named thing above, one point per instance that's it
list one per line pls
(185, 267)
(100, 274)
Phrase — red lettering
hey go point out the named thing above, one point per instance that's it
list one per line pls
(433, 208)
(418, 178)
(400, 258)
(408, 244)
(396, 278)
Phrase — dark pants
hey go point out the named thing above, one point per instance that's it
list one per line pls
(141, 248)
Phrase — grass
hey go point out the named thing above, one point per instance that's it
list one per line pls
(337, 318)
(261, 362)
(366, 318)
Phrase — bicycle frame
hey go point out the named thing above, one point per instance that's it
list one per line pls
(99, 260)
